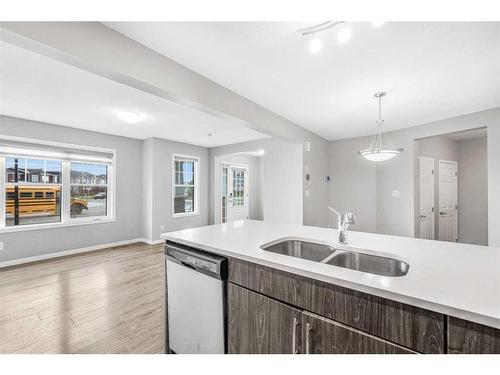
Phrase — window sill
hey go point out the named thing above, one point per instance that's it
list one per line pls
(23, 228)
(185, 214)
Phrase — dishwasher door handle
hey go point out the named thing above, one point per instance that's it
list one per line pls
(188, 265)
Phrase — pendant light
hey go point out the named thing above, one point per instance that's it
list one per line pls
(381, 148)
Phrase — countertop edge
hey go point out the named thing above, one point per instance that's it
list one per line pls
(431, 306)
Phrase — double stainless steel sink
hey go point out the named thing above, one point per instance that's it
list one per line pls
(358, 261)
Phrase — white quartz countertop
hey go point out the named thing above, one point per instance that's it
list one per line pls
(455, 279)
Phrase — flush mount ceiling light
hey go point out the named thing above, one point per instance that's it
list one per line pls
(377, 24)
(344, 35)
(316, 43)
(131, 117)
(381, 148)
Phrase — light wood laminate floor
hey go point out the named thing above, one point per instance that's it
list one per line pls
(107, 301)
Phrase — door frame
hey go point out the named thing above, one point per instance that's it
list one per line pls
(439, 195)
(218, 189)
(433, 196)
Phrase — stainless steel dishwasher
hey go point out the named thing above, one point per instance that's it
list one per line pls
(196, 300)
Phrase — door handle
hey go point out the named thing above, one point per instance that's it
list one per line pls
(422, 216)
(308, 337)
(294, 336)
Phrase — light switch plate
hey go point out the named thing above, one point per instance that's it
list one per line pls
(396, 194)
(307, 193)
(162, 227)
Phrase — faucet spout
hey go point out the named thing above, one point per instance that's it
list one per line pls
(343, 222)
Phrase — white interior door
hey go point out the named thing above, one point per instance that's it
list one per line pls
(237, 201)
(426, 197)
(448, 208)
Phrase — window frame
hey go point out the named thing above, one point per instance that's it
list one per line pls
(196, 171)
(66, 220)
(107, 186)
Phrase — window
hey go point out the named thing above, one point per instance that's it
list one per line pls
(28, 200)
(238, 187)
(185, 185)
(89, 189)
(75, 188)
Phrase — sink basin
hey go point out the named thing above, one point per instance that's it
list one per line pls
(374, 264)
(301, 249)
(370, 263)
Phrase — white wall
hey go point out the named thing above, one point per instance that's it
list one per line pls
(473, 191)
(255, 209)
(128, 223)
(281, 169)
(396, 215)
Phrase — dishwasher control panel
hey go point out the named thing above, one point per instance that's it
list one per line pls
(201, 261)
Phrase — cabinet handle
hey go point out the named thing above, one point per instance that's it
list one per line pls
(308, 330)
(294, 336)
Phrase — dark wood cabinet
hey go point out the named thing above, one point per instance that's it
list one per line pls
(411, 327)
(324, 336)
(465, 337)
(261, 325)
(272, 311)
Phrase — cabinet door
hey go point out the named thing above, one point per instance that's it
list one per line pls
(466, 337)
(324, 336)
(261, 325)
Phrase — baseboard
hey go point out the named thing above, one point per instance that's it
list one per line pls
(15, 262)
(152, 242)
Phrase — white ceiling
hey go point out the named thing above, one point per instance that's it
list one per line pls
(430, 71)
(39, 88)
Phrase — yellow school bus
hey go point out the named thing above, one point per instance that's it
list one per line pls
(40, 200)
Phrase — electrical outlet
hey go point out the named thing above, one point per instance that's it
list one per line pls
(1, 245)
(162, 227)
(307, 193)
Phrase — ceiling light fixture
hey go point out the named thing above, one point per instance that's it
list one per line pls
(131, 117)
(378, 151)
(377, 24)
(315, 45)
(344, 34)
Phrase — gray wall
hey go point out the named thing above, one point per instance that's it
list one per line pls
(317, 163)
(438, 148)
(147, 189)
(353, 184)
(128, 223)
(161, 198)
(255, 210)
(281, 169)
(473, 191)
(494, 180)
(396, 215)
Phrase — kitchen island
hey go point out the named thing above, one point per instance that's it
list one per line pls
(447, 302)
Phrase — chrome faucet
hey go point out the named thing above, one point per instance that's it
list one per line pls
(343, 222)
